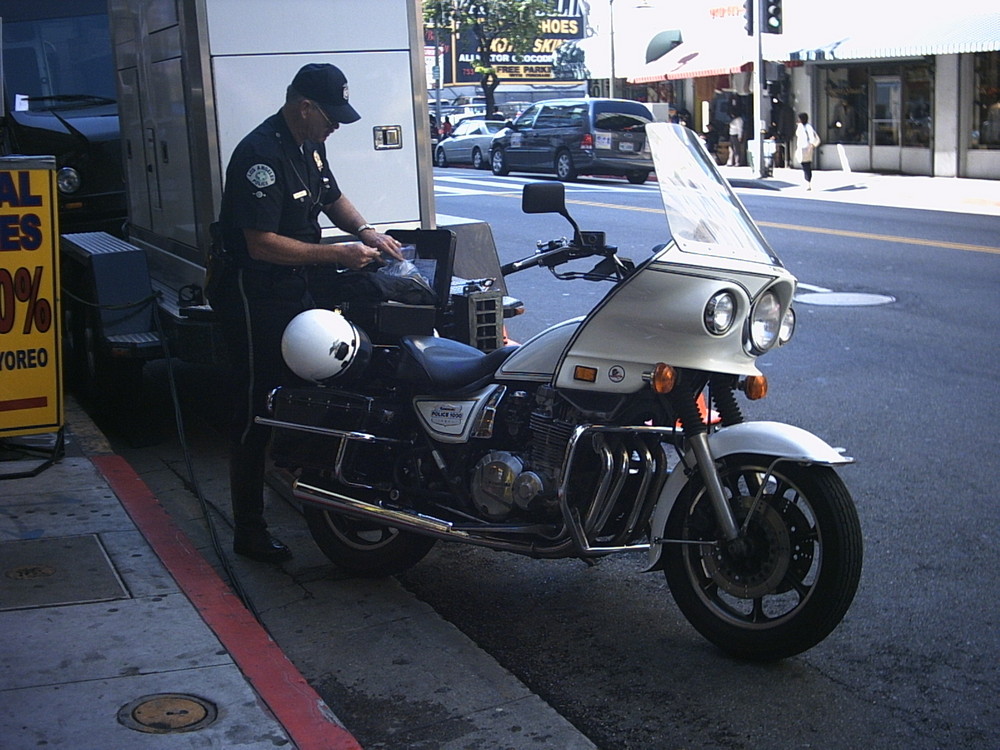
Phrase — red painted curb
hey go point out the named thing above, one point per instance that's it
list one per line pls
(297, 707)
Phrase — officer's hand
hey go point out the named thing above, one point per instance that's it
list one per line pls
(387, 246)
(357, 255)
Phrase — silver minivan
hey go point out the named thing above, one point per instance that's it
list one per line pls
(571, 137)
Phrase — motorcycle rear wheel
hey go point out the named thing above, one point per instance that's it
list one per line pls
(364, 548)
(789, 584)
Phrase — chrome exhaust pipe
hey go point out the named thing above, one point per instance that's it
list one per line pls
(400, 519)
(420, 523)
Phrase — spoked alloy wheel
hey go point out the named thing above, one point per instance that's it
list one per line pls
(498, 162)
(365, 548)
(477, 159)
(788, 581)
(565, 170)
(440, 158)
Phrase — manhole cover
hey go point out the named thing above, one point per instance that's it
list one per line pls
(844, 299)
(167, 713)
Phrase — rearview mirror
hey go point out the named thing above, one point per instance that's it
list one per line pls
(544, 198)
(548, 198)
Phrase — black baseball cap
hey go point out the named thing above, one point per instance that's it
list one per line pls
(326, 85)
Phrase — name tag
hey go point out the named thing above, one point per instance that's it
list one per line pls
(300, 195)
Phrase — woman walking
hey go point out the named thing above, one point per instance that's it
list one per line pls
(806, 142)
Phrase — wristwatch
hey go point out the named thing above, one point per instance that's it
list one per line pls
(363, 227)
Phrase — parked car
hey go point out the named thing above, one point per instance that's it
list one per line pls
(457, 113)
(469, 143)
(570, 137)
(461, 101)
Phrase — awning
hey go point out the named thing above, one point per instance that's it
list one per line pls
(980, 33)
(691, 60)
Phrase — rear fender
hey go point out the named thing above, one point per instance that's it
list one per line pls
(772, 439)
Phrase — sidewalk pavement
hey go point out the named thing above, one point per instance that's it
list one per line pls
(955, 194)
(116, 632)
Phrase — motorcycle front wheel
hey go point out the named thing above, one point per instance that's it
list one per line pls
(364, 548)
(788, 581)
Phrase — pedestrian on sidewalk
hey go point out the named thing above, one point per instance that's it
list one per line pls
(735, 140)
(806, 142)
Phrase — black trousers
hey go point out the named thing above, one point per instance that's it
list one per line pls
(255, 306)
(807, 170)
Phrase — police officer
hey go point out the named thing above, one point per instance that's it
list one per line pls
(277, 183)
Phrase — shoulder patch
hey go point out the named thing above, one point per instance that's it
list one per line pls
(261, 176)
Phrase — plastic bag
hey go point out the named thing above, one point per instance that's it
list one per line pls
(402, 281)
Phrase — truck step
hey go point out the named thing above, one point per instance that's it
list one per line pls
(116, 282)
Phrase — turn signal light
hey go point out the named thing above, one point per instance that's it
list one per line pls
(755, 386)
(663, 379)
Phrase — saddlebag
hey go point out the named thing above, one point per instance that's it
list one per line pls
(328, 409)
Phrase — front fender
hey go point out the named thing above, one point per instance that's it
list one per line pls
(772, 439)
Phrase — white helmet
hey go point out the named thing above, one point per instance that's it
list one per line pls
(320, 345)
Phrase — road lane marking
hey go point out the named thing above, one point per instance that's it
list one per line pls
(821, 230)
(884, 237)
(796, 227)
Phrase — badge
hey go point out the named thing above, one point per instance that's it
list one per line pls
(261, 176)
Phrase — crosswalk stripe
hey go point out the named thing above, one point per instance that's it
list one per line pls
(489, 185)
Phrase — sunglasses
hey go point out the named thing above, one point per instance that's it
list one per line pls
(319, 109)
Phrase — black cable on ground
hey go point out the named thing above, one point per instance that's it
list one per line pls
(234, 580)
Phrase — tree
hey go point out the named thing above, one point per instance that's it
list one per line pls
(515, 21)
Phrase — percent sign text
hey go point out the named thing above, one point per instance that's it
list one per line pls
(22, 287)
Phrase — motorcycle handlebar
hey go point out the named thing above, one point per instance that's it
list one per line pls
(560, 252)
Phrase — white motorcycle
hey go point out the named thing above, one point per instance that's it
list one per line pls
(618, 431)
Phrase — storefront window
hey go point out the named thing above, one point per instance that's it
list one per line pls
(845, 109)
(885, 105)
(917, 106)
(986, 119)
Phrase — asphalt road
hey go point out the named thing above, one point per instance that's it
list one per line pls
(907, 387)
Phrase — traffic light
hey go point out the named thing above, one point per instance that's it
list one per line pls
(771, 22)
(748, 15)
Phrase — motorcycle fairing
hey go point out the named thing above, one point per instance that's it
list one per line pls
(657, 315)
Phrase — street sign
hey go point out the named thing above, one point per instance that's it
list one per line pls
(30, 347)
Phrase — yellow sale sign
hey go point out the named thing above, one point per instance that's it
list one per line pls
(30, 354)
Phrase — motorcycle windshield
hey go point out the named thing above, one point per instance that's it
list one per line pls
(704, 215)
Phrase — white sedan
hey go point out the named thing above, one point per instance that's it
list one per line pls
(469, 143)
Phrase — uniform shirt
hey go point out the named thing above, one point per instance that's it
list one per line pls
(272, 185)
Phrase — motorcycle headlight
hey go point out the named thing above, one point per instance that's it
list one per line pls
(787, 329)
(765, 322)
(720, 312)
(68, 180)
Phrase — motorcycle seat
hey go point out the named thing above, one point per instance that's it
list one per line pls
(446, 365)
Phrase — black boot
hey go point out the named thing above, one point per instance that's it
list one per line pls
(246, 484)
(261, 546)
